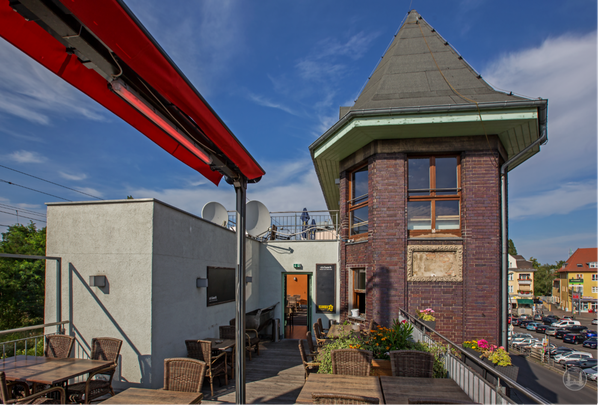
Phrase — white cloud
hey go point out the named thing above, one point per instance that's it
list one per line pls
(555, 248)
(75, 177)
(563, 70)
(562, 200)
(24, 156)
(261, 100)
(92, 191)
(30, 91)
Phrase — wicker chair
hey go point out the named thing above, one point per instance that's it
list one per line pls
(431, 400)
(320, 337)
(411, 363)
(372, 326)
(182, 374)
(351, 362)
(322, 326)
(59, 346)
(313, 351)
(215, 366)
(106, 349)
(327, 398)
(37, 398)
(252, 339)
(310, 366)
(228, 332)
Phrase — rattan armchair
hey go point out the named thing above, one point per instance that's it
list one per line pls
(432, 400)
(319, 335)
(351, 362)
(252, 339)
(37, 398)
(59, 346)
(215, 365)
(228, 332)
(99, 383)
(327, 398)
(183, 374)
(309, 366)
(411, 363)
(322, 326)
(313, 351)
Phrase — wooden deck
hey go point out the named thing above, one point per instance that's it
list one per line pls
(275, 376)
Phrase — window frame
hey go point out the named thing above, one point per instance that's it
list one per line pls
(353, 207)
(433, 197)
(354, 292)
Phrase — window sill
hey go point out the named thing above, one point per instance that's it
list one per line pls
(453, 238)
(356, 242)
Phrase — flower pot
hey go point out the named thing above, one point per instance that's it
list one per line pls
(381, 367)
(477, 368)
(355, 313)
(430, 324)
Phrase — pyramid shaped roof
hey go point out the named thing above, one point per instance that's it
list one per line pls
(420, 68)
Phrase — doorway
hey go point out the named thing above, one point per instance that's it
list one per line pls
(297, 300)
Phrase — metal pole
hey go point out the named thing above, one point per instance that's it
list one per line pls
(241, 192)
(58, 294)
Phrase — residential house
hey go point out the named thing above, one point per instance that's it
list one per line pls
(578, 280)
(414, 167)
(521, 285)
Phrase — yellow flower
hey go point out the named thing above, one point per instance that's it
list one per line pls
(383, 338)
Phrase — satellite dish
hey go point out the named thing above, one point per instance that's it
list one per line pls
(215, 213)
(257, 219)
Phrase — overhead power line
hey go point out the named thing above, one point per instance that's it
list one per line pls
(22, 209)
(51, 182)
(23, 216)
(32, 189)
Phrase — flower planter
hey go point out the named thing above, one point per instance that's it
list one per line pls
(429, 324)
(510, 371)
(477, 368)
(381, 367)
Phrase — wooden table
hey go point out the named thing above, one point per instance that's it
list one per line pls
(338, 330)
(149, 396)
(340, 384)
(45, 370)
(398, 390)
(221, 344)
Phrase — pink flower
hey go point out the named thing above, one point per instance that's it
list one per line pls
(482, 344)
(404, 321)
(500, 347)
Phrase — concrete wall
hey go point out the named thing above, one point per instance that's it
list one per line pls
(151, 254)
(278, 257)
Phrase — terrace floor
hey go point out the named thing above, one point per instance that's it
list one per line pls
(275, 376)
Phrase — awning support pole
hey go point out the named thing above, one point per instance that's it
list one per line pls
(241, 193)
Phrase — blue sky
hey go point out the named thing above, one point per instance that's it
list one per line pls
(276, 72)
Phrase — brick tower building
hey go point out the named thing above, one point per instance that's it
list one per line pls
(414, 168)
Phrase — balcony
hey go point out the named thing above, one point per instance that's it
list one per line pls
(524, 281)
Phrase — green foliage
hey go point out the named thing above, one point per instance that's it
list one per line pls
(383, 340)
(544, 276)
(438, 350)
(22, 281)
(512, 248)
(499, 357)
(426, 314)
(130, 197)
(349, 341)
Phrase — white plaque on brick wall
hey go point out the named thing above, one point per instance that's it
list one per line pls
(435, 263)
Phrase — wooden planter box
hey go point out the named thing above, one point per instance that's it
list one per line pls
(381, 367)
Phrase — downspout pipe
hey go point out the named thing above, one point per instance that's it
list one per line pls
(542, 111)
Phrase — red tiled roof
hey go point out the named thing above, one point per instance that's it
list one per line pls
(581, 256)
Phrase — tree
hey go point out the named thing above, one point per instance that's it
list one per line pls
(22, 281)
(512, 248)
(544, 276)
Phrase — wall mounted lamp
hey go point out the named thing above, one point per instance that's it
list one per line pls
(201, 283)
(248, 279)
(97, 281)
(130, 96)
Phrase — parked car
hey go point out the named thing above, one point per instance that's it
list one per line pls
(532, 325)
(594, 321)
(561, 332)
(587, 333)
(516, 321)
(525, 343)
(521, 336)
(591, 343)
(574, 338)
(550, 319)
(550, 331)
(576, 328)
(560, 350)
(562, 358)
(523, 324)
(541, 328)
(565, 322)
(537, 317)
(567, 317)
(586, 363)
(591, 372)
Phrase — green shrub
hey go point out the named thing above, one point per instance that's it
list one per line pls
(349, 341)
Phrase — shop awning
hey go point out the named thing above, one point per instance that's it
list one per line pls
(90, 43)
(525, 301)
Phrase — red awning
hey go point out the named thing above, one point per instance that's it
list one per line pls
(119, 31)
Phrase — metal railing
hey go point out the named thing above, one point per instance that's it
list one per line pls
(489, 387)
(290, 225)
(21, 345)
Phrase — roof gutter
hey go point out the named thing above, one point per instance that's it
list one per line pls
(542, 110)
(540, 104)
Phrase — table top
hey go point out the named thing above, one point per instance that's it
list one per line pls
(337, 330)
(221, 344)
(398, 390)
(46, 370)
(340, 384)
(149, 396)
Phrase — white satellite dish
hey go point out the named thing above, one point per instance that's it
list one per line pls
(215, 213)
(257, 219)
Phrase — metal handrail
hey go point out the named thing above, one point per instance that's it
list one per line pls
(26, 328)
(500, 376)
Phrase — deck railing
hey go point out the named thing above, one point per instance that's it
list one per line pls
(290, 225)
(27, 341)
(476, 385)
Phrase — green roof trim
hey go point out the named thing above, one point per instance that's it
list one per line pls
(525, 301)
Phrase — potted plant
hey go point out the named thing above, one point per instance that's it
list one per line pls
(383, 340)
(425, 315)
(494, 356)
